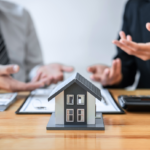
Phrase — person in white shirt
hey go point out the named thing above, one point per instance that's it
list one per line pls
(23, 48)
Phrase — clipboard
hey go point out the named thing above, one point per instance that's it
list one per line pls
(37, 103)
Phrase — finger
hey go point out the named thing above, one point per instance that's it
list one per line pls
(20, 86)
(67, 68)
(113, 69)
(96, 77)
(8, 69)
(122, 35)
(92, 69)
(105, 80)
(136, 47)
(37, 77)
(48, 80)
(128, 50)
(44, 76)
(142, 54)
(118, 70)
(129, 38)
(33, 86)
(106, 73)
(58, 78)
(131, 44)
(148, 26)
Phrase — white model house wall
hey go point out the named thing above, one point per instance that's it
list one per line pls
(90, 108)
(59, 108)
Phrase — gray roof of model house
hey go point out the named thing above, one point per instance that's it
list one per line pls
(81, 81)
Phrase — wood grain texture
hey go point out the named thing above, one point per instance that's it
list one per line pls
(130, 131)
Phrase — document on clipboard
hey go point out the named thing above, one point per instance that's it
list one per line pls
(108, 105)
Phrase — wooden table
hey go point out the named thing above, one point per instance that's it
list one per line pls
(28, 132)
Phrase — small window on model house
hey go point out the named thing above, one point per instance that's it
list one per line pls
(69, 115)
(80, 115)
(70, 99)
(80, 99)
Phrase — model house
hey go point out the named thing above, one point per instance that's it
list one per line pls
(75, 102)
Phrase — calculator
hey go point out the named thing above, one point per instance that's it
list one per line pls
(6, 99)
(133, 102)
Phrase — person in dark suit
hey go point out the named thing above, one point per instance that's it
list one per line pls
(131, 56)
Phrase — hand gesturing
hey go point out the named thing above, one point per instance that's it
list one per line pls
(139, 50)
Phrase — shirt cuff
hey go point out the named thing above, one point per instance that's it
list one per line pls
(33, 72)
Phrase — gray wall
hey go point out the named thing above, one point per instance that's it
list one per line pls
(76, 32)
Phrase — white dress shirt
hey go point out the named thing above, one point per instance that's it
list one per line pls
(21, 40)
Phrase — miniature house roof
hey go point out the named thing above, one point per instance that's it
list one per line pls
(81, 81)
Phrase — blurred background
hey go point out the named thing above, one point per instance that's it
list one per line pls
(76, 32)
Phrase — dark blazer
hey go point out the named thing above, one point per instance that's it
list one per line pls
(137, 14)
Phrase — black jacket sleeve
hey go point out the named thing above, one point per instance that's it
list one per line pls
(129, 67)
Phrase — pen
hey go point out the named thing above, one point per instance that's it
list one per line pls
(104, 100)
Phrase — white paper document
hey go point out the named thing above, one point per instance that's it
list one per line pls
(107, 104)
(37, 102)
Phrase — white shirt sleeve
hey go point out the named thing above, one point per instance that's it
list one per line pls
(21, 40)
(33, 57)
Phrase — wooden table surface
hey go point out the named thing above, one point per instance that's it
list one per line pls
(28, 132)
